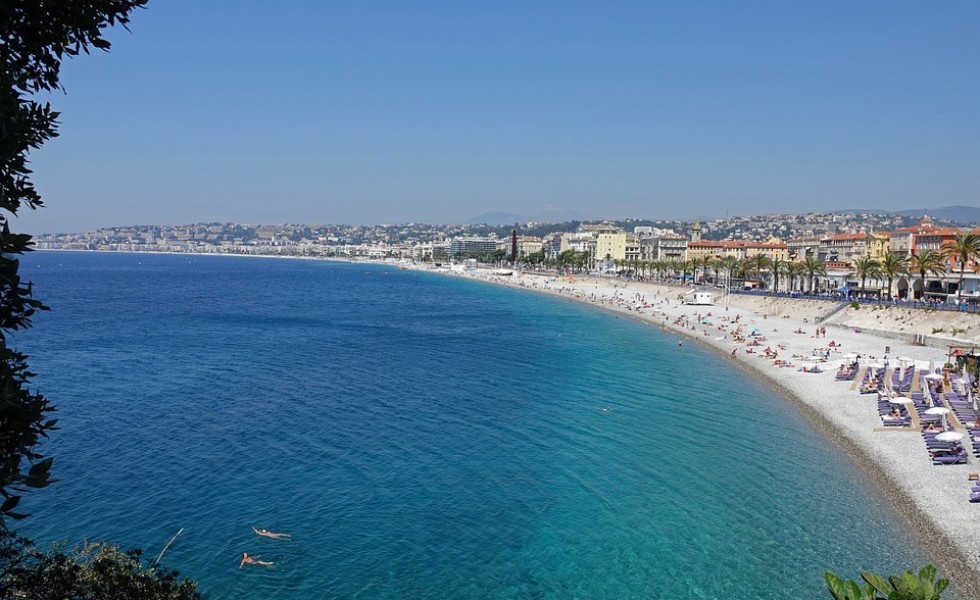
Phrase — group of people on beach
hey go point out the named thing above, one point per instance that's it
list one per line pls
(248, 559)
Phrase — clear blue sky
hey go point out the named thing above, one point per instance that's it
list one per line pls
(436, 111)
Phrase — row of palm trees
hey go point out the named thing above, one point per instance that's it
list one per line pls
(758, 267)
(962, 249)
(762, 268)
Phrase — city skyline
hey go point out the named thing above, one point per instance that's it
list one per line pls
(369, 114)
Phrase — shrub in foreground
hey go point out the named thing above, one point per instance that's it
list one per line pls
(907, 586)
(96, 571)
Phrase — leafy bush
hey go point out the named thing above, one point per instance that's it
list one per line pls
(87, 572)
(907, 586)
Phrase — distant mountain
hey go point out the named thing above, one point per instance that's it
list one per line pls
(496, 218)
(962, 215)
(506, 218)
(965, 216)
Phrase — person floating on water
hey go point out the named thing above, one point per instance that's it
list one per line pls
(253, 560)
(271, 534)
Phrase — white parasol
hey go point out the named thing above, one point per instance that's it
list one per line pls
(939, 410)
(950, 436)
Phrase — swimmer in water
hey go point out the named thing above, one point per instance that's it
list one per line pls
(252, 560)
(271, 534)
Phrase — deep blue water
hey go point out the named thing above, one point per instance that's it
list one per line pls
(424, 437)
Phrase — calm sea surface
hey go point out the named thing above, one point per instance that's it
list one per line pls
(422, 437)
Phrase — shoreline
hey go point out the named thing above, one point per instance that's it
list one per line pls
(932, 500)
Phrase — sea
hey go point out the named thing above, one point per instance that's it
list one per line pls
(421, 436)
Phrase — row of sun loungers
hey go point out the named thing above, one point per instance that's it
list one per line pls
(902, 382)
(962, 408)
(932, 395)
(944, 453)
(892, 415)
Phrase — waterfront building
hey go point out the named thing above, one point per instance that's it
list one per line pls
(475, 245)
(666, 246)
(527, 245)
(740, 249)
(843, 247)
(611, 246)
(799, 248)
(878, 244)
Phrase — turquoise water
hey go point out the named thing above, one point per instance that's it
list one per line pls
(424, 437)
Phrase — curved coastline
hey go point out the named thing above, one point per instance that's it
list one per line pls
(933, 500)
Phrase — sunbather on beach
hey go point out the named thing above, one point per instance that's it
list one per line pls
(271, 534)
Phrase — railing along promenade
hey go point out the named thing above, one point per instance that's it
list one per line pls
(964, 306)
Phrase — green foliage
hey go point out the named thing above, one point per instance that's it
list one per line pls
(855, 304)
(86, 572)
(907, 586)
(37, 35)
(963, 248)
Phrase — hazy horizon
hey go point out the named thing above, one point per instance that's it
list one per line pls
(442, 111)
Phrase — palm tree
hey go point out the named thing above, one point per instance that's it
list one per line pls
(777, 267)
(891, 266)
(716, 265)
(689, 265)
(704, 263)
(658, 267)
(730, 264)
(964, 248)
(743, 270)
(793, 270)
(865, 267)
(927, 261)
(758, 263)
(813, 266)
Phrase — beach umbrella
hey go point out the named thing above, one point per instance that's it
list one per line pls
(949, 436)
(899, 401)
(939, 410)
(932, 365)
